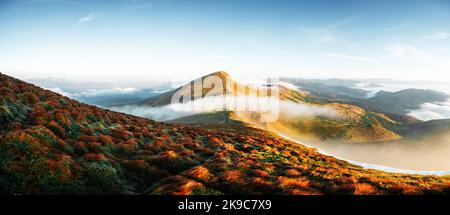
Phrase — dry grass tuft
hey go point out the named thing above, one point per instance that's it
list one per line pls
(293, 182)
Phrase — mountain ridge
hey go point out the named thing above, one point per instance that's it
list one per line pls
(355, 125)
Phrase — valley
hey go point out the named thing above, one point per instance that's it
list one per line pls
(344, 129)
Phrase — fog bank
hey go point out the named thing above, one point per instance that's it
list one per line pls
(431, 111)
(429, 153)
(284, 109)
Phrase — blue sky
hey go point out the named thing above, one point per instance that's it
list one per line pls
(170, 39)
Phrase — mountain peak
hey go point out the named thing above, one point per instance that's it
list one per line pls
(221, 74)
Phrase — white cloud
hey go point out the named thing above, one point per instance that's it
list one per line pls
(402, 51)
(60, 91)
(286, 110)
(430, 111)
(95, 92)
(436, 58)
(288, 85)
(437, 36)
(329, 33)
(86, 19)
(350, 57)
(105, 92)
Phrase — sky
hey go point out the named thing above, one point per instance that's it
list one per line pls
(183, 39)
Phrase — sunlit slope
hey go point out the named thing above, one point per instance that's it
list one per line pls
(351, 123)
(226, 85)
(52, 144)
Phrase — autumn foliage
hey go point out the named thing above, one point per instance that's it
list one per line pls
(50, 144)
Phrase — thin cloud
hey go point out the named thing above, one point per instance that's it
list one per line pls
(438, 36)
(398, 27)
(408, 52)
(329, 33)
(350, 57)
(86, 19)
(427, 57)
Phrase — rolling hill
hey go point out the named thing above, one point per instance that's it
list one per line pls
(51, 144)
(400, 102)
(330, 89)
(354, 123)
(396, 105)
(229, 87)
(421, 129)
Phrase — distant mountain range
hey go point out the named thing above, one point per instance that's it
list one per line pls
(333, 82)
(375, 119)
(73, 86)
(51, 144)
(400, 102)
(106, 93)
(395, 105)
(331, 89)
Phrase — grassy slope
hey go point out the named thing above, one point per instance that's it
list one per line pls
(358, 124)
(51, 144)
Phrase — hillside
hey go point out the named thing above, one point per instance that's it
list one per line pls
(326, 89)
(229, 87)
(51, 144)
(394, 104)
(219, 117)
(399, 103)
(354, 123)
(358, 126)
(421, 129)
